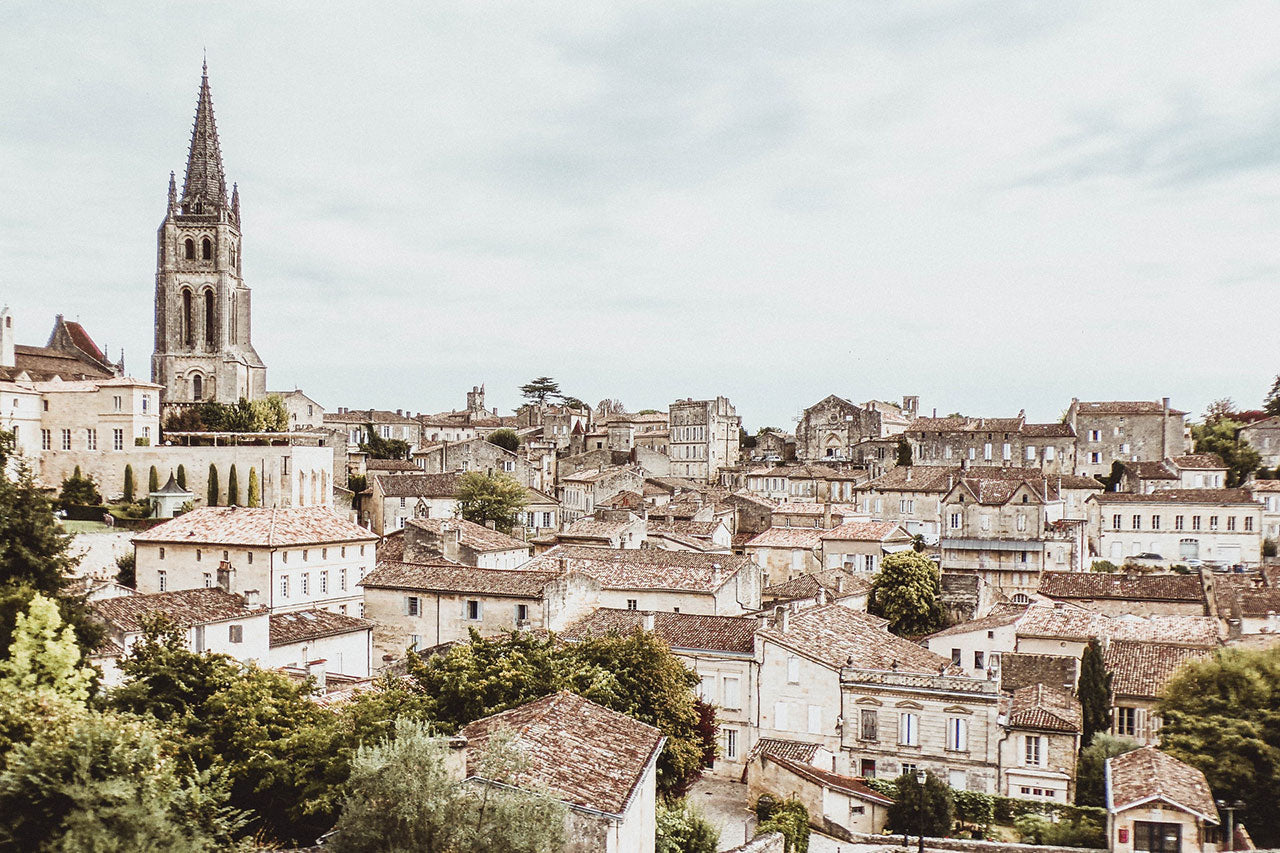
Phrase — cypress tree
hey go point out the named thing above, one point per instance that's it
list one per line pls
(1094, 690)
(233, 488)
(904, 452)
(153, 480)
(182, 476)
(255, 496)
(212, 498)
(128, 484)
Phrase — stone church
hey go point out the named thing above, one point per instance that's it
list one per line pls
(203, 348)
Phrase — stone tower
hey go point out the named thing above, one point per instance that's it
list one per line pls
(203, 349)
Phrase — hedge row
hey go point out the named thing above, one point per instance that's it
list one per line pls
(979, 809)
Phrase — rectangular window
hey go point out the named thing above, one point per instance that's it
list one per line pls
(413, 605)
(1195, 522)
(1231, 522)
(1179, 522)
(955, 521)
(955, 657)
(342, 579)
(1115, 522)
(780, 715)
(1095, 458)
(306, 583)
(1031, 754)
(1213, 522)
(117, 439)
(208, 580)
(522, 613)
(46, 439)
(793, 670)
(1248, 524)
(732, 693)
(868, 728)
(66, 439)
(730, 744)
(284, 586)
(1155, 522)
(957, 734)
(1137, 522)
(632, 604)
(909, 729)
(473, 610)
(1095, 435)
(978, 660)
(324, 582)
(91, 439)
(1126, 721)
(162, 581)
(235, 633)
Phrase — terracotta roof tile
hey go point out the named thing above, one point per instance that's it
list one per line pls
(584, 754)
(302, 625)
(1039, 706)
(729, 634)
(806, 586)
(865, 531)
(1201, 496)
(418, 485)
(1147, 774)
(443, 576)
(185, 607)
(1101, 585)
(644, 569)
(1143, 669)
(846, 784)
(260, 527)
(788, 537)
(1123, 407)
(837, 636)
(795, 750)
(470, 535)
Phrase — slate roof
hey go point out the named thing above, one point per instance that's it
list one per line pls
(447, 577)
(729, 634)
(418, 485)
(303, 625)
(644, 568)
(1170, 496)
(1148, 774)
(185, 607)
(583, 754)
(1039, 706)
(837, 636)
(1143, 669)
(477, 537)
(258, 527)
(845, 784)
(1096, 585)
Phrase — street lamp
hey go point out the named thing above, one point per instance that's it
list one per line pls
(1230, 809)
(921, 778)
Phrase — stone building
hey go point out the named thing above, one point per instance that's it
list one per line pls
(395, 498)
(1139, 673)
(203, 316)
(303, 412)
(1042, 726)
(69, 355)
(830, 428)
(464, 542)
(1264, 437)
(1158, 804)
(992, 442)
(1125, 431)
(704, 438)
(479, 455)
(1177, 526)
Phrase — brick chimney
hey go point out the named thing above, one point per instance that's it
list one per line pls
(226, 575)
(450, 539)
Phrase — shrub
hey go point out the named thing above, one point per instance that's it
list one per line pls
(1078, 831)
(128, 484)
(153, 480)
(935, 797)
(126, 572)
(789, 817)
(1268, 547)
(1104, 566)
(974, 807)
(211, 499)
(233, 488)
(181, 476)
(682, 828)
(79, 490)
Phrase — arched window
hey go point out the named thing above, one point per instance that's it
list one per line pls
(190, 249)
(197, 388)
(188, 319)
(210, 333)
(206, 249)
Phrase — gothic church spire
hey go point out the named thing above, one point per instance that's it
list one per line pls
(204, 189)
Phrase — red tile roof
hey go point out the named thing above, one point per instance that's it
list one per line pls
(582, 753)
(184, 607)
(844, 784)
(1039, 706)
(477, 537)
(1169, 496)
(417, 485)
(837, 636)
(729, 634)
(1101, 585)
(1148, 774)
(1123, 407)
(259, 527)
(444, 576)
(644, 569)
(1141, 669)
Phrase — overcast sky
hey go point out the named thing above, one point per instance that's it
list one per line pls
(994, 206)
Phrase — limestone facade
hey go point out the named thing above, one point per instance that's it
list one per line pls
(1125, 431)
(830, 428)
(704, 438)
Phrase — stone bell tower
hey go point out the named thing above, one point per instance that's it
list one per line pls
(203, 349)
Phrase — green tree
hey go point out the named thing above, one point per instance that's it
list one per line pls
(789, 816)
(635, 675)
(1220, 409)
(1090, 769)
(1094, 690)
(254, 497)
(906, 591)
(904, 451)
(383, 448)
(153, 480)
(538, 390)
(103, 782)
(181, 476)
(233, 487)
(270, 414)
(1222, 715)
(127, 569)
(934, 798)
(491, 497)
(44, 656)
(1271, 403)
(128, 484)
(505, 438)
(437, 813)
(1220, 437)
(211, 495)
(682, 828)
(79, 490)
(575, 404)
